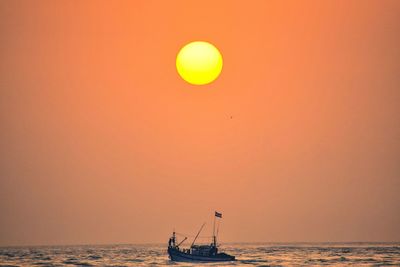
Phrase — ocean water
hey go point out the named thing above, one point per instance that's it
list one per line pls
(266, 254)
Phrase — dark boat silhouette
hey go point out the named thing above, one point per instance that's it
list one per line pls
(197, 253)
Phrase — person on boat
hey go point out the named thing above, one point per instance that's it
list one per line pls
(171, 242)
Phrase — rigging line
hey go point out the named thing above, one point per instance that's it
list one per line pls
(185, 235)
(218, 228)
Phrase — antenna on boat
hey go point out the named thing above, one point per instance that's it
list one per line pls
(201, 228)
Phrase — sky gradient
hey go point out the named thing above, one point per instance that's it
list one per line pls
(103, 142)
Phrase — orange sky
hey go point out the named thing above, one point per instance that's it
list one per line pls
(102, 142)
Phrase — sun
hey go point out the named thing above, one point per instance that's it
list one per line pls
(199, 63)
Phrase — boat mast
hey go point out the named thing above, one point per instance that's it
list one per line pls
(214, 239)
(182, 241)
(201, 228)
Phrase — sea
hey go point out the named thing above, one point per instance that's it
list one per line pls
(249, 254)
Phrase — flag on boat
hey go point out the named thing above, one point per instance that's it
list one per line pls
(217, 214)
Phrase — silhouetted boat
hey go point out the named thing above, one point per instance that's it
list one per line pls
(197, 253)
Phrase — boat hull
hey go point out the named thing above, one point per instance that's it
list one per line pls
(176, 255)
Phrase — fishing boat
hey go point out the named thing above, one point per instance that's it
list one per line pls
(197, 253)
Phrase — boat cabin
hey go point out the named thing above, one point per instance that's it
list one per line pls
(204, 250)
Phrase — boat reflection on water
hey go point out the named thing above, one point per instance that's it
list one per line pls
(197, 253)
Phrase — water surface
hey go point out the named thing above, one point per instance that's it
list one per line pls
(262, 254)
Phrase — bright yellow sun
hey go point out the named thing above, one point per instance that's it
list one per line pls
(199, 63)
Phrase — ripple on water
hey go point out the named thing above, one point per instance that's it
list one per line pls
(44, 264)
(94, 257)
(135, 260)
(76, 262)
